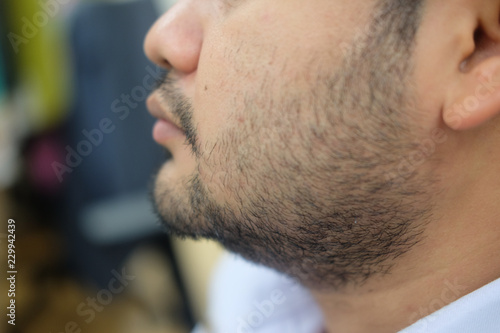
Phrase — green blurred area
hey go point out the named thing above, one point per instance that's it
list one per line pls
(39, 60)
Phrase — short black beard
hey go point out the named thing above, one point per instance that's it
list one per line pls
(344, 248)
(332, 241)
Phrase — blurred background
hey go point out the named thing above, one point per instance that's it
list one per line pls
(76, 161)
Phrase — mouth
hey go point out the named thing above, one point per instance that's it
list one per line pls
(165, 128)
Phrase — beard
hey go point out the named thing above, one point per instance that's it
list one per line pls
(308, 193)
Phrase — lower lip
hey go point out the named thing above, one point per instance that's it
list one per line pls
(164, 131)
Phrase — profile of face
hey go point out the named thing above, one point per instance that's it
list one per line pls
(287, 122)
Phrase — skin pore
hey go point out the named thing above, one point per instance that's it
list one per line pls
(290, 136)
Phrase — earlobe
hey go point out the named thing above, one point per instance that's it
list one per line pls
(474, 94)
(478, 99)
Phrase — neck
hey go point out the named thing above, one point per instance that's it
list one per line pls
(447, 265)
(458, 255)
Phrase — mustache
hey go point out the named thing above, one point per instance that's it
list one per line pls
(180, 106)
(162, 80)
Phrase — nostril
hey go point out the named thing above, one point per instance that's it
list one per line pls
(166, 64)
(479, 37)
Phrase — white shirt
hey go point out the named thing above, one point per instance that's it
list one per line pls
(247, 298)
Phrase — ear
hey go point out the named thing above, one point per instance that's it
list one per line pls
(475, 95)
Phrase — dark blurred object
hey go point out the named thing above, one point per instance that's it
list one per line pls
(106, 41)
(110, 156)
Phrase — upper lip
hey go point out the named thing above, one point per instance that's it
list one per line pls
(157, 110)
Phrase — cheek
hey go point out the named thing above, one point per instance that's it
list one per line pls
(225, 86)
(215, 98)
(247, 77)
(278, 52)
(237, 72)
(227, 79)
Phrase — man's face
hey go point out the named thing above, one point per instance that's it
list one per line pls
(293, 116)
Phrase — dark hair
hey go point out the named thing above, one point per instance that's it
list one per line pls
(391, 30)
(399, 18)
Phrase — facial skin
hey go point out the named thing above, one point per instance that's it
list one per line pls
(293, 125)
(290, 147)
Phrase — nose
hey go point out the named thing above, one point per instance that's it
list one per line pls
(174, 41)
